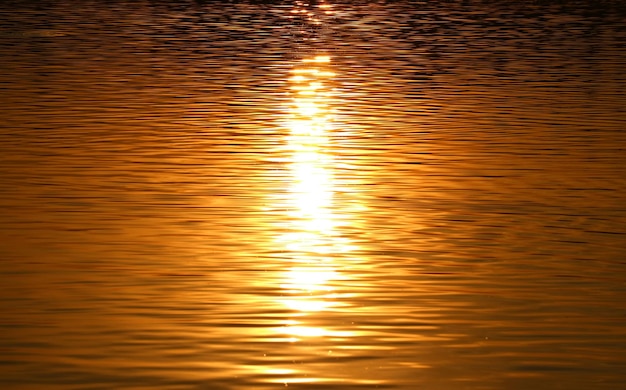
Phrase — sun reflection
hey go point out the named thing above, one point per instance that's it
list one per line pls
(311, 189)
(312, 239)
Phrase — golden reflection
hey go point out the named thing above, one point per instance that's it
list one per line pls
(312, 238)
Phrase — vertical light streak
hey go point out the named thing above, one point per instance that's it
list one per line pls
(312, 238)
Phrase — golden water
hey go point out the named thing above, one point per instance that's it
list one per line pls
(348, 195)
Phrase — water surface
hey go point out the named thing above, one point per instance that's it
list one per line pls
(339, 195)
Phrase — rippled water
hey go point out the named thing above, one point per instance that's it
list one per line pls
(340, 195)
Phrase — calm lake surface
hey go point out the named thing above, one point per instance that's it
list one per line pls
(340, 195)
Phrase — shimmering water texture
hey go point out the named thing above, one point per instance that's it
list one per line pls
(334, 195)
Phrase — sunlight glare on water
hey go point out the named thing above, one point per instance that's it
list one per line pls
(312, 243)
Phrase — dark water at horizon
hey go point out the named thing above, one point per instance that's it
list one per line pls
(342, 195)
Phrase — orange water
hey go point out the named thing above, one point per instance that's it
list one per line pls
(206, 195)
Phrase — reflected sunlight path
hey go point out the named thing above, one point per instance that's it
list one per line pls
(311, 241)
(312, 236)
